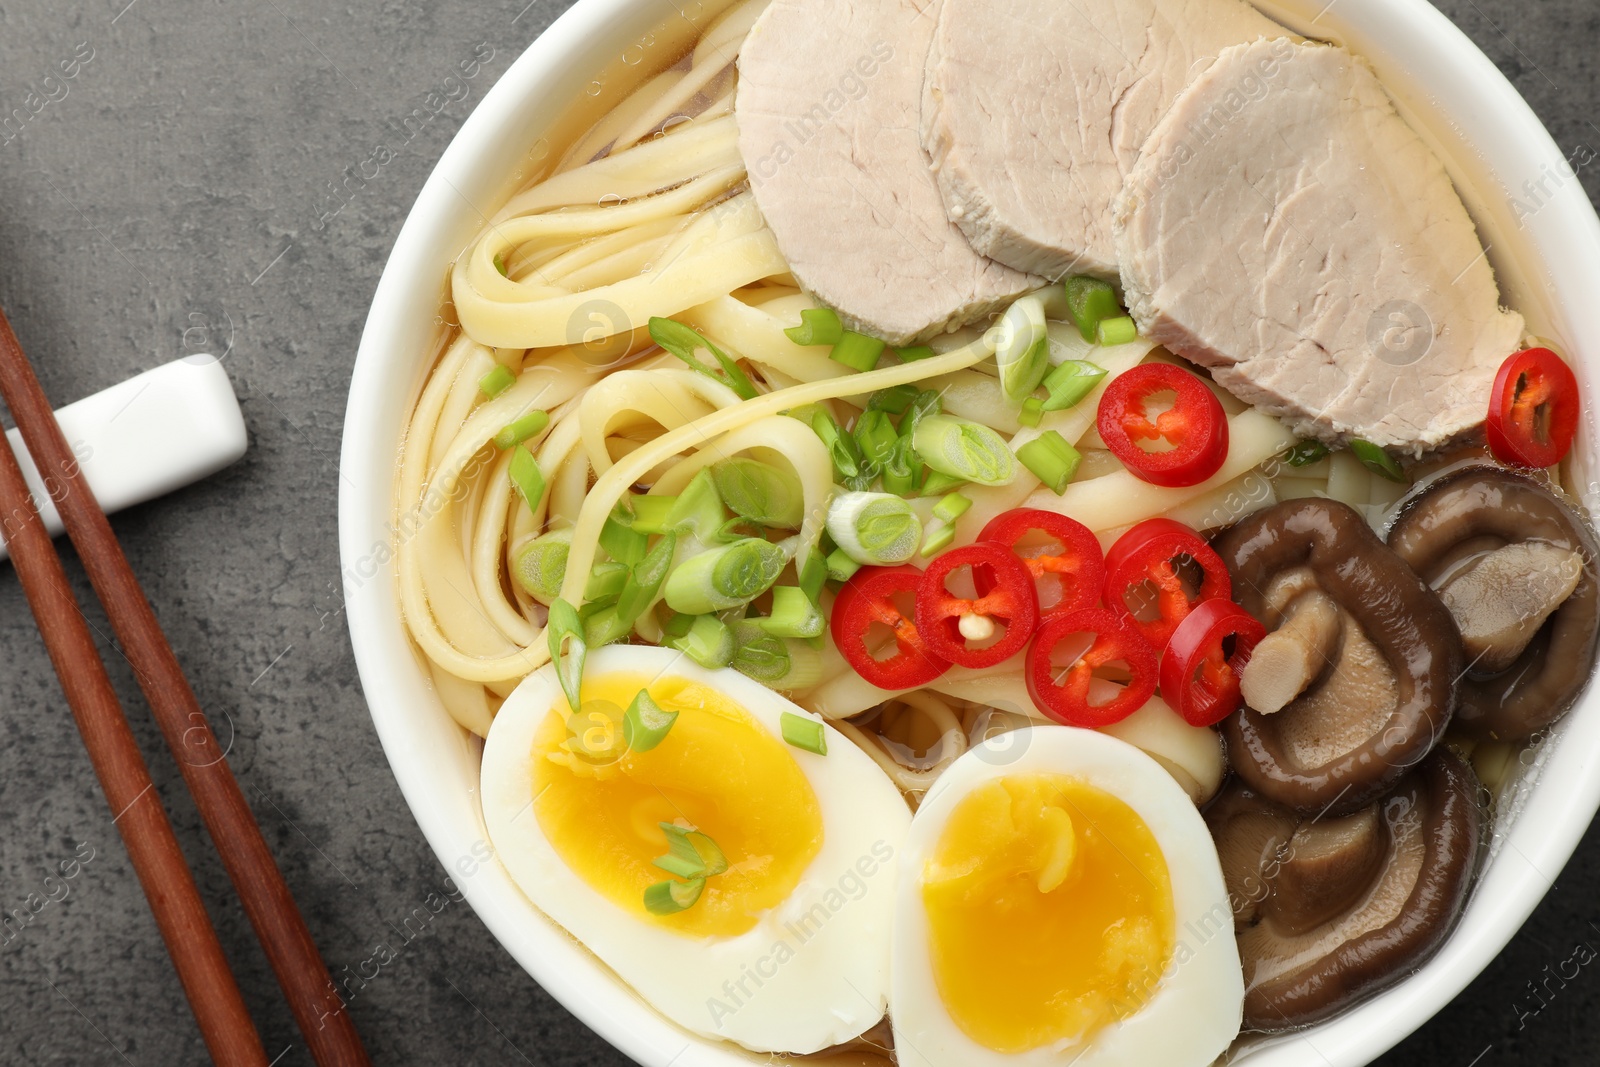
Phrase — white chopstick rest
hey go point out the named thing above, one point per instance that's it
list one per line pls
(162, 430)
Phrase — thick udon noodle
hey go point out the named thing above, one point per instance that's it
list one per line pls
(648, 213)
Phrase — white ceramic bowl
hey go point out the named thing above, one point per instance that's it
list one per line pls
(1545, 245)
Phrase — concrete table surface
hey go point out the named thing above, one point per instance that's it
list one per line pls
(186, 190)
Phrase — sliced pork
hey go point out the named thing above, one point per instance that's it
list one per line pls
(1285, 227)
(827, 106)
(1035, 111)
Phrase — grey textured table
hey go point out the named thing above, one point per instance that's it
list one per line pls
(187, 190)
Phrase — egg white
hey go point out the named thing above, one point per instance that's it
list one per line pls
(1196, 1009)
(813, 971)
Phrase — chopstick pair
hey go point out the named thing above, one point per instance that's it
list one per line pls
(180, 914)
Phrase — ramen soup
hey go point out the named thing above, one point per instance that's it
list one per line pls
(970, 564)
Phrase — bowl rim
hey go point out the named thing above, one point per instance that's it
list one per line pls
(1486, 111)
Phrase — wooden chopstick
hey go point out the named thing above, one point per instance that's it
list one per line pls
(304, 979)
(180, 914)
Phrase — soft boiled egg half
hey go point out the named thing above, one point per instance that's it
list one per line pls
(784, 942)
(1060, 901)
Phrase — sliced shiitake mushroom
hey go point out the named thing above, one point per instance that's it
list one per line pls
(1354, 682)
(1516, 568)
(1330, 910)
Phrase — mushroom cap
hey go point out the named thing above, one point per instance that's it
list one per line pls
(1384, 702)
(1517, 565)
(1327, 911)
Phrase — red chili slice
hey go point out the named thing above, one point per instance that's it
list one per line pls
(1199, 678)
(1195, 426)
(1146, 558)
(1004, 594)
(1062, 692)
(867, 598)
(1533, 410)
(1066, 578)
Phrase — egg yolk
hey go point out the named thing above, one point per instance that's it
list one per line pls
(1049, 912)
(718, 771)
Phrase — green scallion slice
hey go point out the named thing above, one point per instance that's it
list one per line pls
(841, 566)
(621, 541)
(496, 381)
(518, 431)
(1304, 453)
(818, 326)
(606, 579)
(775, 662)
(841, 446)
(1070, 382)
(952, 507)
(652, 514)
(708, 642)
(857, 351)
(1115, 331)
(527, 477)
(894, 401)
(645, 724)
(794, 614)
(669, 898)
(938, 539)
(874, 528)
(644, 580)
(699, 509)
(565, 630)
(541, 565)
(725, 577)
(500, 264)
(965, 449)
(914, 353)
(812, 575)
(681, 341)
(691, 854)
(1032, 412)
(1376, 460)
(1023, 352)
(903, 470)
(1051, 459)
(601, 623)
(766, 495)
(1090, 300)
(802, 732)
(938, 483)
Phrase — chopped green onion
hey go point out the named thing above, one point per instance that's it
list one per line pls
(1069, 383)
(841, 566)
(875, 437)
(952, 507)
(699, 508)
(652, 514)
(802, 732)
(775, 662)
(1051, 459)
(527, 477)
(644, 580)
(894, 400)
(683, 342)
(564, 628)
(1032, 411)
(938, 483)
(812, 575)
(645, 723)
(606, 579)
(691, 853)
(875, 528)
(669, 897)
(914, 353)
(1115, 331)
(1023, 354)
(602, 624)
(841, 446)
(519, 430)
(857, 351)
(708, 642)
(818, 326)
(725, 577)
(496, 381)
(965, 449)
(1376, 460)
(622, 542)
(677, 624)
(1089, 300)
(540, 566)
(500, 264)
(938, 539)
(794, 614)
(764, 494)
(902, 471)
(928, 402)
(1304, 453)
